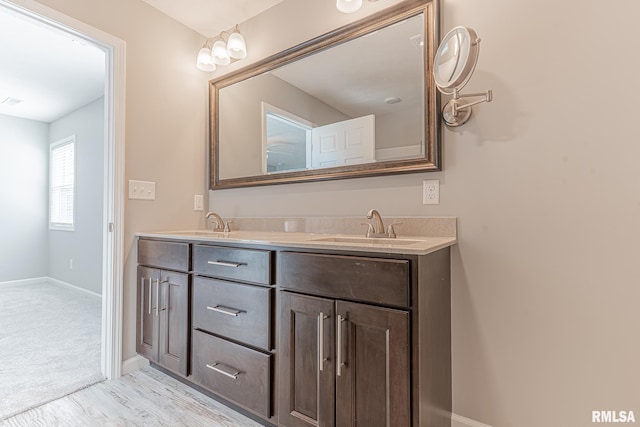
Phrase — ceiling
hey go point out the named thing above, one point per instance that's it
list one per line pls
(53, 73)
(48, 70)
(210, 17)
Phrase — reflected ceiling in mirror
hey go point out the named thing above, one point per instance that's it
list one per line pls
(358, 101)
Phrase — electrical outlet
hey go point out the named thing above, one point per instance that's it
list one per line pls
(71, 264)
(142, 190)
(431, 192)
(198, 203)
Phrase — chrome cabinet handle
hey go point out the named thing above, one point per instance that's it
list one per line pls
(225, 310)
(149, 293)
(229, 372)
(321, 358)
(157, 297)
(226, 263)
(142, 285)
(339, 362)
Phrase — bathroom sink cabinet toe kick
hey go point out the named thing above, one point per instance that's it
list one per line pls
(301, 337)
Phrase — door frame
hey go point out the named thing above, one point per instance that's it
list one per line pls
(113, 180)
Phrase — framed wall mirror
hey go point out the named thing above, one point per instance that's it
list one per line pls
(358, 101)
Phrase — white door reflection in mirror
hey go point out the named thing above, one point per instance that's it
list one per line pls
(286, 140)
(348, 142)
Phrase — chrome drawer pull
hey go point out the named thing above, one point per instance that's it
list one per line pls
(226, 263)
(225, 310)
(234, 373)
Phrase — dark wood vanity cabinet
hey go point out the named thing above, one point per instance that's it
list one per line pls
(343, 363)
(298, 338)
(163, 309)
(232, 307)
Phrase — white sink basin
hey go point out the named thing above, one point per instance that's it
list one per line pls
(381, 241)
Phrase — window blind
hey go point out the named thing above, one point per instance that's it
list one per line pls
(62, 194)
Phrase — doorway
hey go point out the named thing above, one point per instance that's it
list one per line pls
(113, 182)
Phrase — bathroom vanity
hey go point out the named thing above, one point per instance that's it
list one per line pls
(302, 329)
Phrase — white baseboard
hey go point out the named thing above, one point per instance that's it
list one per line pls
(133, 364)
(460, 421)
(51, 280)
(25, 281)
(69, 285)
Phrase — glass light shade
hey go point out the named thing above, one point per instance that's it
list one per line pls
(348, 6)
(205, 61)
(236, 46)
(220, 54)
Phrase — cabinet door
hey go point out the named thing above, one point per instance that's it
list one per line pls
(372, 366)
(173, 321)
(147, 336)
(306, 364)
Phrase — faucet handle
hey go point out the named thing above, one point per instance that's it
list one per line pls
(226, 227)
(370, 230)
(391, 232)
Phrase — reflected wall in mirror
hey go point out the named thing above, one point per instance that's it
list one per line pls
(358, 101)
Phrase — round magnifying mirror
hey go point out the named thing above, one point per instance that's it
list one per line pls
(456, 59)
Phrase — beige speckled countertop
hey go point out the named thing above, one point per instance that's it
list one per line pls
(415, 235)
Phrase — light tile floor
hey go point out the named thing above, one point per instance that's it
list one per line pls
(145, 397)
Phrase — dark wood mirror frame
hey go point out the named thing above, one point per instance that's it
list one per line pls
(432, 158)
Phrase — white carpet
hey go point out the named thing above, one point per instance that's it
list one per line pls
(49, 344)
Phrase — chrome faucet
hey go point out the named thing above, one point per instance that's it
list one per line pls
(219, 224)
(378, 229)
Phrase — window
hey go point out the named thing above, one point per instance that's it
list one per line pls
(62, 184)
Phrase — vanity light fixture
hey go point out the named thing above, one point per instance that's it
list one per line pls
(349, 6)
(222, 51)
(220, 54)
(205, 60)
(454, 64)
(236, 45)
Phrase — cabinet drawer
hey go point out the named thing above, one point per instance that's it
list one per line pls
(233, 371)
(170, 255)
(376, 280)
(239, 312)
(247, 265)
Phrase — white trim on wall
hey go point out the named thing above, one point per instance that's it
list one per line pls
(69, 285)
(460, 421)
(113, 225)
(36, 280)
(399, 152)
(30, 281)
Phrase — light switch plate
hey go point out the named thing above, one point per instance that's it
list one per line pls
(142, 190)
(198, 203)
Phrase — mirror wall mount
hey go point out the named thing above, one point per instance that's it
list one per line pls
(454, 64)
(242, 155)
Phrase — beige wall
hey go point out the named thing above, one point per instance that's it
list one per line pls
(544, 181)
(546, 185)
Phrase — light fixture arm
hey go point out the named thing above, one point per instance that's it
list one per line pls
(207, 42)
(457, 106)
